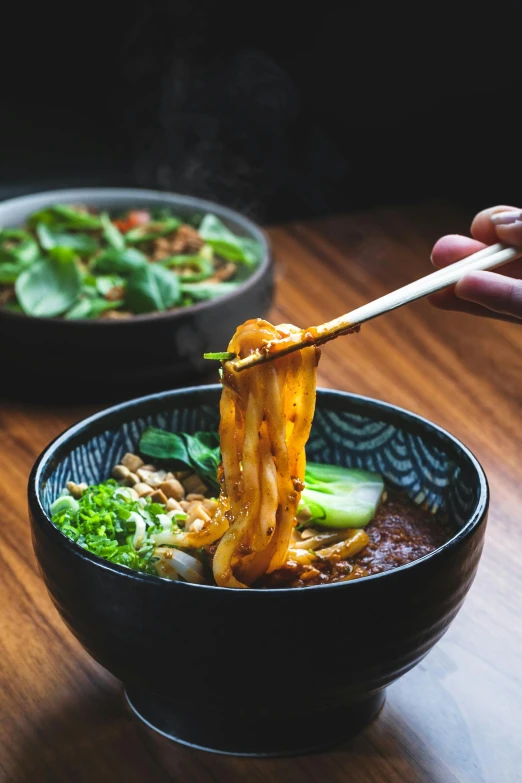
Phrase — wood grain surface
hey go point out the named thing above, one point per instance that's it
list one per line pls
(457, 716)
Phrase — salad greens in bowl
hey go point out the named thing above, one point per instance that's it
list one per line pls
(80, 262)
(106, 293)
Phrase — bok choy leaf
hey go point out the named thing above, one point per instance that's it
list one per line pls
(340, 497)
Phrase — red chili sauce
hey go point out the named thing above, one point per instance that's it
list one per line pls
(400, 532)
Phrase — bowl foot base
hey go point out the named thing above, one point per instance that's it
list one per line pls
(234, 735)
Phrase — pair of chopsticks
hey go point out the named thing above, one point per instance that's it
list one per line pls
(488, 258)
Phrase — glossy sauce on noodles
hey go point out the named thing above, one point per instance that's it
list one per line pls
(266, 416)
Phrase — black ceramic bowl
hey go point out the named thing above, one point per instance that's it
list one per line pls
(101, 360)
(264, 672)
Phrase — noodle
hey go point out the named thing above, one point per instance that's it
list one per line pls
(266, 416)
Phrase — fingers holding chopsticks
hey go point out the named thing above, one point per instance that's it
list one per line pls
(499, 223)
(496, 292)
(489, 294)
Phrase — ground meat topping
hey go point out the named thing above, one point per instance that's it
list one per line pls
(185, 240)
(400, 532)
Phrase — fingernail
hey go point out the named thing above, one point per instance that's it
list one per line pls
(505, 218)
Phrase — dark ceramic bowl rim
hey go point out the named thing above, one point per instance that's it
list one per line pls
(75, 194)
(36, 506)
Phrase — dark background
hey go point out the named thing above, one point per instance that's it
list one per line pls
(279, 112)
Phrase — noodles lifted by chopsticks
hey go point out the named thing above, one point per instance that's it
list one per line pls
(266, 416)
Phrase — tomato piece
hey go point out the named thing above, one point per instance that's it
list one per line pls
(138, 217)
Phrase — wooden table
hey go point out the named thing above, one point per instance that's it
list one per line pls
(457, 716)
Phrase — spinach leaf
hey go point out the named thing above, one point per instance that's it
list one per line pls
(91, 307)
(51, 238)
(202, 291)
(17, 246)
(112, 236)
(88, 285)
(150, 288)
(164, 445)
(79, 310)
(151, 231)
(199, 452)
(228, 245)
(99, 306)
(9, 271)
(49, 287)
(202, 267)
(18, 250)
(65, 216)
(62, 254)
(120, 262)
(205, 455)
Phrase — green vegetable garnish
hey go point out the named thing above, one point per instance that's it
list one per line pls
(103, 521)
(200, 451)
(120, 262)
(51, 238)
(152, 231)
(228, 245)
(200, 267)
(202, 291)
(224, 356)
(9, 271)
(18, 250)
(113, 237)
(49, 287)
(39, 261)
(91, 307)
(65, 504)
(152, 287)
(17, 246)
(340, 497)
(65, 216)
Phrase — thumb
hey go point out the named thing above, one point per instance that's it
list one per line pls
(508, 226)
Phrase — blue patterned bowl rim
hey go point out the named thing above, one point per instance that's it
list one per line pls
(74, 435)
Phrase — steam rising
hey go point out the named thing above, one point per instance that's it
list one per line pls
(222, 126)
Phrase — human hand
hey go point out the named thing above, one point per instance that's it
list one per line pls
(490, 294)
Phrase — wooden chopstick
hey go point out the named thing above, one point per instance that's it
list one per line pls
(488, 258)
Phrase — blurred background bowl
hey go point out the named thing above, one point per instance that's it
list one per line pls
(264, 672)
(48, 359)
